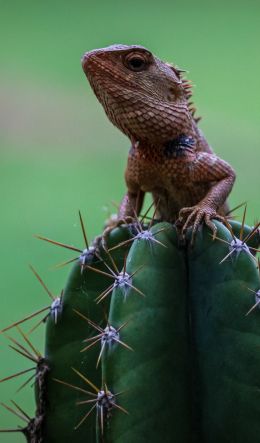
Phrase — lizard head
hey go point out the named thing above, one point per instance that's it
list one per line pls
(143, 96)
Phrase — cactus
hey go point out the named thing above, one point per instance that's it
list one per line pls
(152, 338)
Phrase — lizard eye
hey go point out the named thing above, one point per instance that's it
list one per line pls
(135, 62)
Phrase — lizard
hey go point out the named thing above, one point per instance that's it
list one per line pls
(149, 101)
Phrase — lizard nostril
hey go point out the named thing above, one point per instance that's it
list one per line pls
(87, 58)
(84, 58)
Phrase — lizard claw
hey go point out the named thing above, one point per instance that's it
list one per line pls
(112, 224)
(195, 215)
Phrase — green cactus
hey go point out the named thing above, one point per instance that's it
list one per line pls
(151, 340)
(155, 378)
(64, 340)
(225, 339)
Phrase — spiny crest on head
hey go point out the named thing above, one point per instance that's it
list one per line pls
(187, 86)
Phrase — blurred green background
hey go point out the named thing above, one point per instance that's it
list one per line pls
(58, 151)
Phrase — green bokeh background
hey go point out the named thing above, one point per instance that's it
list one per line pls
(58, 151)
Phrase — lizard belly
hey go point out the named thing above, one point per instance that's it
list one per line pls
(169, 182)
(144, 174)
(174, 198)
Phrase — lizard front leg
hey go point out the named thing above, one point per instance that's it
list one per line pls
(132, 201)
(129, 209)
(131, 205)
(208, 168)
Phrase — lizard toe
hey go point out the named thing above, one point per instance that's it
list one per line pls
(211, 225)
(189, 219)
(184, 211)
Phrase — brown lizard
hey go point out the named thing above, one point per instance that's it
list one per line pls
(148, 100)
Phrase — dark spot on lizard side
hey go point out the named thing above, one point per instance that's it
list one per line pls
(179, 146)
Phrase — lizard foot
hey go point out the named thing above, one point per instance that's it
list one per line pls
(113, 223)
(195, 215)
